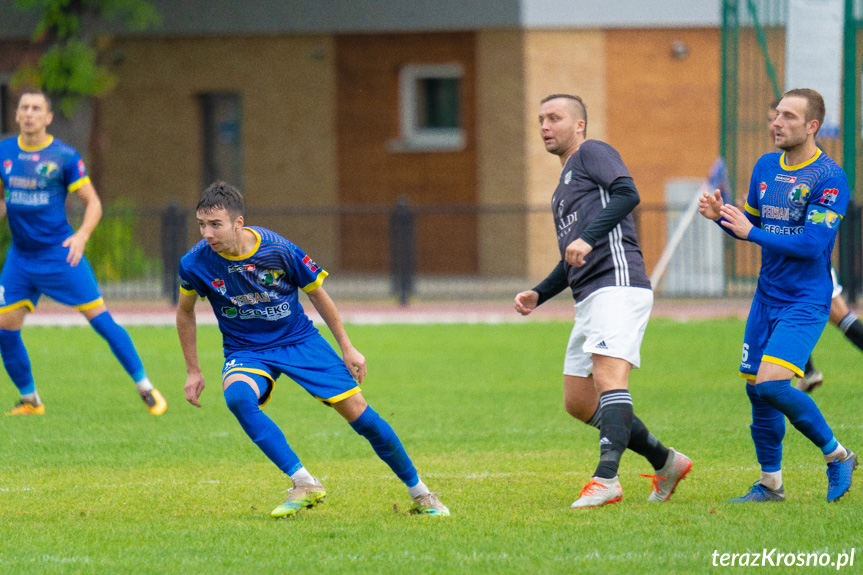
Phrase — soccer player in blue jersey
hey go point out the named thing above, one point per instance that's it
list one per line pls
(797, 198)
(251, 276)
(37, 172)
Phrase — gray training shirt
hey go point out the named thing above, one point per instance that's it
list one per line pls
(581, 194)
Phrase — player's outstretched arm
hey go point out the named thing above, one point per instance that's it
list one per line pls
(187, 330)
(354, 360)
(92, 214)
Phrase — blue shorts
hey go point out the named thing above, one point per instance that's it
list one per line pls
(784, 335)
(312, 363)
(27, 276)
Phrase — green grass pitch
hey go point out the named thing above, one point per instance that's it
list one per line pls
(98, 485)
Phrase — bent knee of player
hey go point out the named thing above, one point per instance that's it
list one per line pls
(351, 407)
(241, 377)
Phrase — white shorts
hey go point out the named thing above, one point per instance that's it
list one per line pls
(610, 321)
(837, 289)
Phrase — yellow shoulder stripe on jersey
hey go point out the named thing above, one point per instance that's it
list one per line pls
(770, 359)
(35, 148)
(74, 187)
(339, 397)
(91, 305)
(798, 166)
(751, 210)
(749, 376)
(251, 252)
(23, 303)
(317, 283)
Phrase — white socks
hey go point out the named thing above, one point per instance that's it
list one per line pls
(303, 476)
(839, 453)
(31, 398)
(771, 479)
(144, 385)
(418, 489)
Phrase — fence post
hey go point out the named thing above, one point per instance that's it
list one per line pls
(850, 252)
(173, 241)
(402, 250)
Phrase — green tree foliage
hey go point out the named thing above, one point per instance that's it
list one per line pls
(72, 31)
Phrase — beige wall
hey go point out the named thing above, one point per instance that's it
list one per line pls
(152, 148)
(501, 158)
(573, 62)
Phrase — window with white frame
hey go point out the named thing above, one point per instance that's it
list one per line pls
(430, 108)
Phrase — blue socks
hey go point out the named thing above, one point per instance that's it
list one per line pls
(768, 430)
(243, 403)
(121, 344)
(386, 444)
(16, 361)
(801, 411)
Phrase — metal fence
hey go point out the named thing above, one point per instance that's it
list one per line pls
(135, 251)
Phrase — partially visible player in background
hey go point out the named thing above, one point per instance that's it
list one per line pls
(47, 255)
(601, 262)
(251, 276)
(795, 203)
(840, 315)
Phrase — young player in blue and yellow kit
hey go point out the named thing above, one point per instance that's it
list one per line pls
(796, 200)
(37, 171)
(251, 276)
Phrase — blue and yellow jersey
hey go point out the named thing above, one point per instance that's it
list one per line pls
(254, 296)
(796, 211)
(36, 182)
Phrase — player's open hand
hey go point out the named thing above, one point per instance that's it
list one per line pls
(76, 244)
(194, 388)
(736, 221)
(526, 302)
(576, 252)
(709, 205)
(356, 364)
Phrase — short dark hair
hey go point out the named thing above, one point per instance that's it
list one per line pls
(579, 104)
(34, 92)
(815, 109)
(775, 103)
(221, 195)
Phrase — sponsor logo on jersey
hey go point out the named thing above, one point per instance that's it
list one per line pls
(795, 214)
(560, 209)
(30, 157)
(230, 313)
(601, 345)
(564, 224)
(762, 187)
(775, 212)
(269, 277)
(47, 169)
(219, 286)
(568, 177)
(310, 263)
(7, 166)
(2, 295)
(828, 198)
(251, 298)
(783, 230)
(786, 179)
(799, 195)
(19, 198)
(271, 313)
(830, 219)
(82, 169)
(23, 183)
(241, 268)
